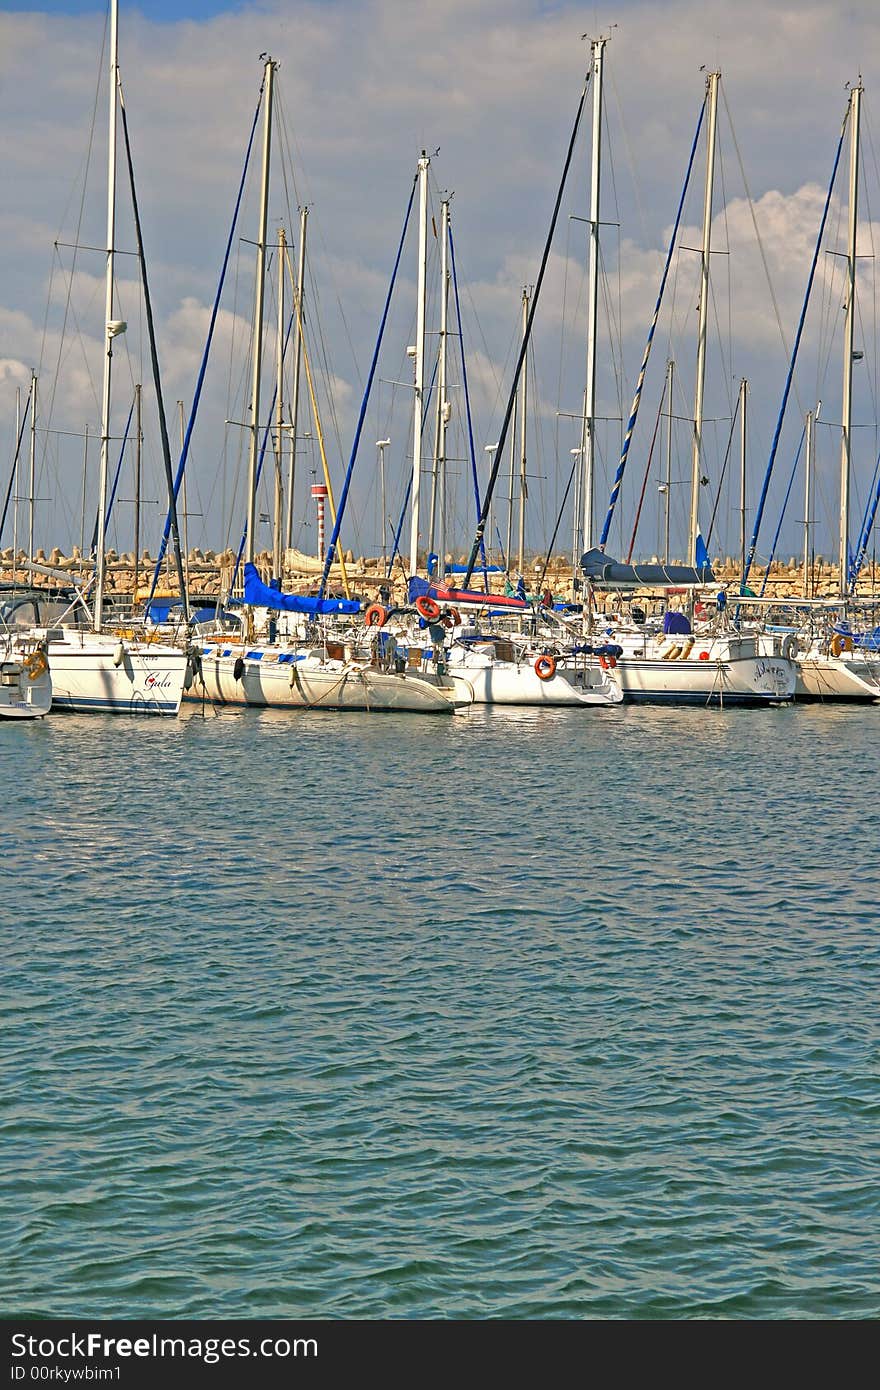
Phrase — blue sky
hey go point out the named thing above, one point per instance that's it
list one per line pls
(364, 85)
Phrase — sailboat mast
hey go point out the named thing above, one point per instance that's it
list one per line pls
(443, 404)
(138, 447)
(855, 101)
(743, 394)
(712, 91)
(523, 490)
(279, 410)
(32, 476)
(808, 472)
(589, 423)
(297, 359)
(269, 74)
(670, 368)
(110, 327)
(419, 363)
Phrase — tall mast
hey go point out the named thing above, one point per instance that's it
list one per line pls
(32, 477)
(808, 472)
(442, 402)
(670, 371)
(855, 101)
(297, 359)
(269, 74)
(589, 424)
(419, 362)
(138, 444)
(182, 424)
(523, 411)
(712, 91)
(82, 534)
(110, 327)
(279, 411)
(16, 475)
(743, 394)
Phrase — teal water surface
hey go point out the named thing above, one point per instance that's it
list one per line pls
(515, 1014)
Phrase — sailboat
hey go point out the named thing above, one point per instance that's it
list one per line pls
(25, 680)
(832, 667)
(671, 662)
(328, 660)
(516, 663)
(99, 665)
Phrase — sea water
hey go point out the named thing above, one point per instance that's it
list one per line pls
(513, 1014)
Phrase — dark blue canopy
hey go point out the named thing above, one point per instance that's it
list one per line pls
(604, 572)
(260, 595)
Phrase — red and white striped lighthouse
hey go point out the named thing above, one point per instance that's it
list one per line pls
(319, 492)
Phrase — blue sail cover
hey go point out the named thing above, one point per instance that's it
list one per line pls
(602, 571)
(259, 595)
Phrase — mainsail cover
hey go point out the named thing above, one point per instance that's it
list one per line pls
(259, 595)
(601, 570)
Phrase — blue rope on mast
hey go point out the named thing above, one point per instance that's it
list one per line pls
(631, 423)
(115, 483)
(782, 512)
(328, 559)
(467, 406)
(865, 533)
(184, 453)
(762, 501)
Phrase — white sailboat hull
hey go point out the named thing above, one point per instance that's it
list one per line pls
(22, 695)
(512, 683)
(850, 677)
(89, 675)
(284, 678)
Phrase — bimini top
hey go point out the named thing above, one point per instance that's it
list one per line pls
(260, 595)
(601, 570)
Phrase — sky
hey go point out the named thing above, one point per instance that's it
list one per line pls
(363, 86)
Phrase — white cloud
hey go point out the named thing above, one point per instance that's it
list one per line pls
(364, 86)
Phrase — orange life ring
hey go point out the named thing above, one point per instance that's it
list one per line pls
(545, 667)
(375, 616)
(427, 607)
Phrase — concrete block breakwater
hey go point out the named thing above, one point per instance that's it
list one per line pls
(211, 573)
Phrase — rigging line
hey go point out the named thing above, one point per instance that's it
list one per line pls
(559, 512)
(556, 423)
(764, 261)
(634, 409)
(759, 512)
(867, 528)
(467, 402)
(317, 418)
(632, 540)
(328, 557)
(772, 554)
(204, 363)
(629, 153)
(721, 475)
(76, 238)
(115, 483)
(154, 361)
(499, 451)
(15, 458)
